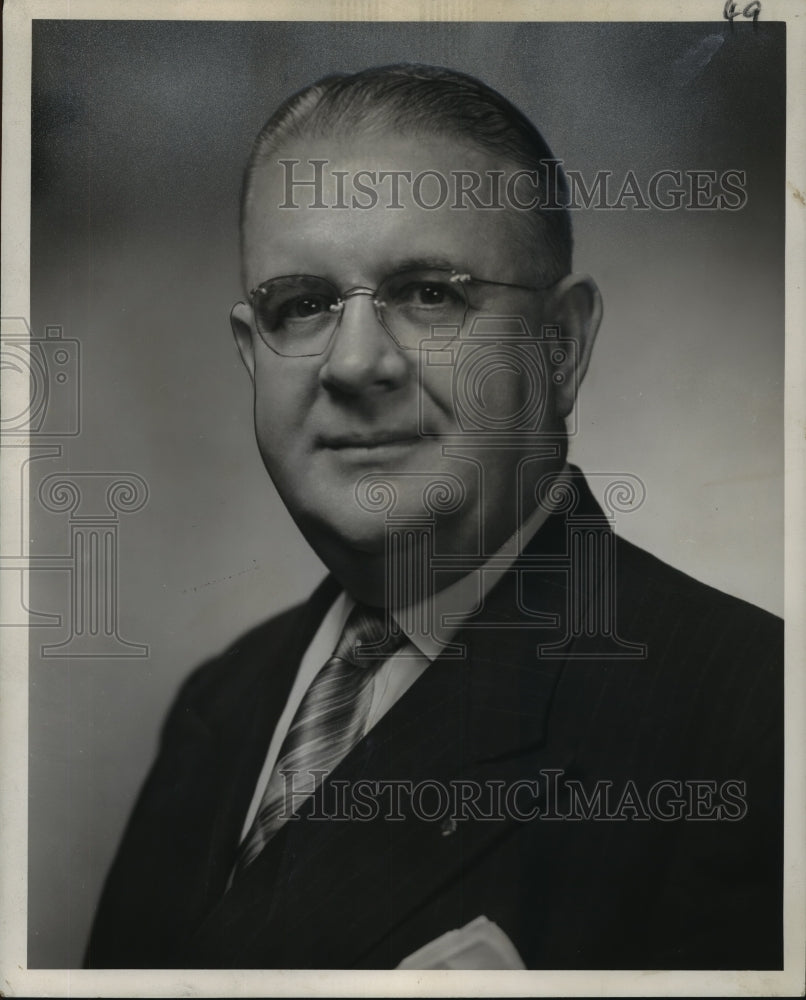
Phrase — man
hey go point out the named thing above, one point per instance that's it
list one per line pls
(492, 712)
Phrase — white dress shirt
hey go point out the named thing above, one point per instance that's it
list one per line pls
(403, 668)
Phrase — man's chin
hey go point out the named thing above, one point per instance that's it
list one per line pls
(362, 534)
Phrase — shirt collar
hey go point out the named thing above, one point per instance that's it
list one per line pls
(448, 607)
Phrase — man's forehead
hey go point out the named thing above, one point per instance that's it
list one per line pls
(335, 170)
(385, 196)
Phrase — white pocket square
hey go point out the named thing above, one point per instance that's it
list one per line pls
(481, 944)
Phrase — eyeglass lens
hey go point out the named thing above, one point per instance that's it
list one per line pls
(296, 315)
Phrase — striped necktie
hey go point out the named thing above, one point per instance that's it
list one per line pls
(329, 722)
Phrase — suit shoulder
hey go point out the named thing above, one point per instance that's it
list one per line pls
(227, 673)
(665, 586)
(712, 665)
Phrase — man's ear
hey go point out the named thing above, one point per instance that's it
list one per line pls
(576, 306)
(241, 321)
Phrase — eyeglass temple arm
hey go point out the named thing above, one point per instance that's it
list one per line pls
(506, 284)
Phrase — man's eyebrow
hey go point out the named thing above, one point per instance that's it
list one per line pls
(417, 263)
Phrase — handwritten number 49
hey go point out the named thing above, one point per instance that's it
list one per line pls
(730, 10)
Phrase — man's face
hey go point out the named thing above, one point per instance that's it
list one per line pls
(368, 407)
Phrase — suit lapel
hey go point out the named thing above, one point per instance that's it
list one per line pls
(240, 736)
(467, 721)
(325, 892)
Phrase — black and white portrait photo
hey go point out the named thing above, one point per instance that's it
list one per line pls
(402, 496)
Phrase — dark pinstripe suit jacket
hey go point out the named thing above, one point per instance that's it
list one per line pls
(703, 705)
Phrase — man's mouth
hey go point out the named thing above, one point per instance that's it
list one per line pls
(368, 440)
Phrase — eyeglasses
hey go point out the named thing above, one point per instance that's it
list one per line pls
(297, 314)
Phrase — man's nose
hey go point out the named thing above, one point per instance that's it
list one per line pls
(362, 355)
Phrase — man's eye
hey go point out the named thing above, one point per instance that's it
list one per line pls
(426, 294)
(432, 295)
(305, 307)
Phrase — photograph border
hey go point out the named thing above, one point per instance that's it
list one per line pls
(15, 978)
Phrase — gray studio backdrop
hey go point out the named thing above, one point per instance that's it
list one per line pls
(140, 131)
